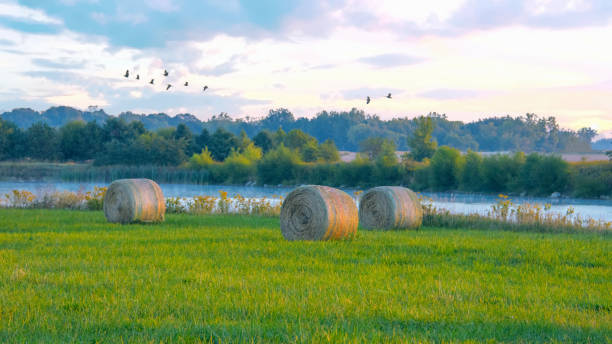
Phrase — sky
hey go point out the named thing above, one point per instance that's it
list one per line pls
(468, 59)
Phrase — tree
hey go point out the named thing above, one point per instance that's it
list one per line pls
(586, 134)
(43, 142)
(544, 174)
(12, 141)
(377, 147)
(387, 156)
(184, 135)
(328, 151)
(445, 168)
(202, 160)
(221, 144)
(203, 140)
(297, 139)
(421, 143)
(264, 140)
(471, 177)
(278, 166)
(80, 141)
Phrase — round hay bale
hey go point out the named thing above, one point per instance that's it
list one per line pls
(316, 212)
(390, 207)
(134, 200)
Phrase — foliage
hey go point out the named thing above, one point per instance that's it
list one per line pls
(42, 142)
(202, 160)
(472, 173)
(421, 143)
(328, 152)
(591, 179)
(279, 166)
(445, 168)
(379, 149)
(95, 199)
(528, 133)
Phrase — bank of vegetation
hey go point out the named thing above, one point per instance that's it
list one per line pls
(119, 149)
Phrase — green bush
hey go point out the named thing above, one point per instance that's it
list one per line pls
(592, 179)
(544, 174)
(279, 166)
(471, 176)
(501, 172)
(445, 168)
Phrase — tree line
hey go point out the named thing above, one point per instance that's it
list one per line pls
(528, 133)
(295, 157)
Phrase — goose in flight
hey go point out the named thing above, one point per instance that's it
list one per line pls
(368, 100)
(152, 81)
(137, 76)
(389, 95)
(127, 74)
(186, 83)
(167, 88)
(205, 88)
(165, 72)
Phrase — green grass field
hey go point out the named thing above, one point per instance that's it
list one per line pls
(68, 276)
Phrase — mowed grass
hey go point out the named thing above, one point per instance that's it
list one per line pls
(68, 276)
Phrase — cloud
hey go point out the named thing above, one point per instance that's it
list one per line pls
(391, 60)
(15, 11)
(553, 14)
(223, 68)
(163, 5)
(445, 94)
(61, 64)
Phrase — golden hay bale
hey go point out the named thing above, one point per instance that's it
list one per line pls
(390, 207)
(318, 213)
(134, 200)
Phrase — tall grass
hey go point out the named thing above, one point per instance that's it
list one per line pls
(505, 214)
(89, 173)
(508, 215)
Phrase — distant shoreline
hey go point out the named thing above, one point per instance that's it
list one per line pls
(348, 156)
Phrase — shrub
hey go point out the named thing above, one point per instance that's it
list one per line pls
(279, 165)
(445, 168)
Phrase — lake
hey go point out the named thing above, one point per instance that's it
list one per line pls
(454, 202)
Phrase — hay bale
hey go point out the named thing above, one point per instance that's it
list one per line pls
(134, 200)
(390, 207)
(318, 213)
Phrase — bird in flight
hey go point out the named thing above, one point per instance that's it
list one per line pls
(127, 74)
(165, 72)
(368, 100)
(205, 88)
(186, 83)
(152, 81)
(137, 76)
(167, 88)
(389, 95)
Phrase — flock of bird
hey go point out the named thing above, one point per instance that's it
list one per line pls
(168, 86)
(368, 99)
(152, 82)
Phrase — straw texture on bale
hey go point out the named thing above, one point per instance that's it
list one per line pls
(318, 213)
(390, 207)
(134, 200)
